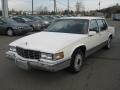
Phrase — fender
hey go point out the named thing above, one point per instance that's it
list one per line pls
(77, 46)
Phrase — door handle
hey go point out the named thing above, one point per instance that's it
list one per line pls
(91, 35)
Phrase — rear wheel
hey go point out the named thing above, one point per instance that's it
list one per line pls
(32, 29)
(10, 32)
(77, 61)
(108, 45)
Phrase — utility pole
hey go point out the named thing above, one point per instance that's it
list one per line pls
(32, 8)
(5, 8)
(68, 6)
(55, 7)
(99, 4)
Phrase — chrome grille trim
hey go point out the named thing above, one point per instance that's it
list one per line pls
(29, 54)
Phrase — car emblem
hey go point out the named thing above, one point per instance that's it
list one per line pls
(26, 43)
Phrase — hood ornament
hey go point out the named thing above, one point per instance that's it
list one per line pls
(26, 43)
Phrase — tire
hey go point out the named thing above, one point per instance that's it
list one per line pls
(32, 29)
(108, 45)
(77, 61)
(10, 32)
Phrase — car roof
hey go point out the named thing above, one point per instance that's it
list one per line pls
(88, 18)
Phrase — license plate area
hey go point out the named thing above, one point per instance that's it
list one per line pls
(22, 64)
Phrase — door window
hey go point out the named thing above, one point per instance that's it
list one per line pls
(102, 24)
(93, 26)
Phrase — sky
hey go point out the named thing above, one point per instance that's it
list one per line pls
(61, 4)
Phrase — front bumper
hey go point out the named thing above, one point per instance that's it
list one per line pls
(38, 64)
(45, 25)
(20, 31)
(37, 28)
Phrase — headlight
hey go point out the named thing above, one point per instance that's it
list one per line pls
(45, 22)
(49, 56)
(17, 27)
(39, 25)
(12, 48)
(36, 25)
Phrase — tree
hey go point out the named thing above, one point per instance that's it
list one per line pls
(79, 7)
(117, 4)
(39, 9)
(42, 10)
(45, 10)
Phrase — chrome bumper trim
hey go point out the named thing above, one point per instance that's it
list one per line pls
(38, 64)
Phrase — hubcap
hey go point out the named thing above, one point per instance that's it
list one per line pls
(109, 43)
(10, 32)
(78, 62)
(32, 29)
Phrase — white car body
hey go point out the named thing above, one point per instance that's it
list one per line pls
(53, 42)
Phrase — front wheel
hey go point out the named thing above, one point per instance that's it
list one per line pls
(77, 61)
(10, 32)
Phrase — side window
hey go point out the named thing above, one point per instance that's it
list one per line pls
(102, 24)
(93, 26)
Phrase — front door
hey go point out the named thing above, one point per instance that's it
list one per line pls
(2, 27)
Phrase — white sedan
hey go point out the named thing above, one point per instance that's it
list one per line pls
(65, 43)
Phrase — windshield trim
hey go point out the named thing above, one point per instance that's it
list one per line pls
(86, 32)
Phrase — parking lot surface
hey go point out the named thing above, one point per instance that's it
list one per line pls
(100, 72)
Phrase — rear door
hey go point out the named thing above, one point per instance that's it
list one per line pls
(104, 33)
(93, 40)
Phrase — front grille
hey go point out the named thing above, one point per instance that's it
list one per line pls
(21, 27)
(26, 27)
(29, 54)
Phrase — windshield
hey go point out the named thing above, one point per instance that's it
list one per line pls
(32, 17)
(27, 19)
(69, 26)
(37, 18)
(9, 20)
(44, 18)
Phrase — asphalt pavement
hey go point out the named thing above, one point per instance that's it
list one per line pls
(100, 72)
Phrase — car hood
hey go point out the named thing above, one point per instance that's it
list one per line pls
(19, 25)
(33, 22)
(49, 42)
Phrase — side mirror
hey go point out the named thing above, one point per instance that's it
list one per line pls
(92, 33)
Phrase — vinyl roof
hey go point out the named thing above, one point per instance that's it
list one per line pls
(89, 18)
